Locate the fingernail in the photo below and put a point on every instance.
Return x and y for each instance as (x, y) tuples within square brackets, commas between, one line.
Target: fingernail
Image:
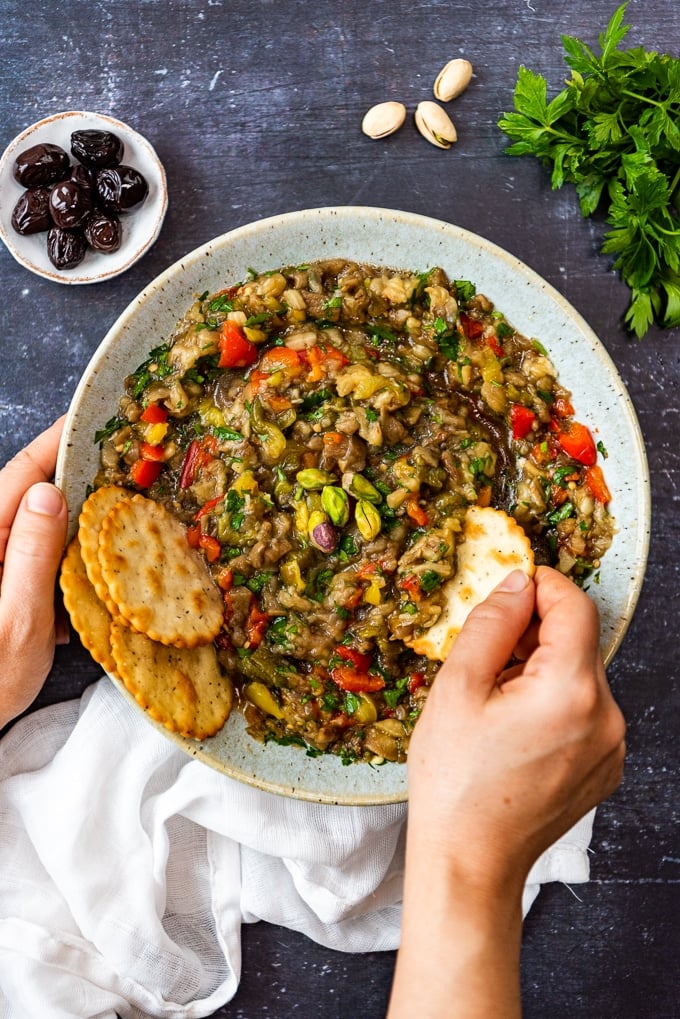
[(514, 582), (45, 499)]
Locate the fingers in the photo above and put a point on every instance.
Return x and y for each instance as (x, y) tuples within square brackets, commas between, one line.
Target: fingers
[(27, 582), (31, 465), (33, 551), (492, 630), (570, 624)]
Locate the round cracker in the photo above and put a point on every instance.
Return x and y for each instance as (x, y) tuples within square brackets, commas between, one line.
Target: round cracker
[(493, 545), (93, 511), (182, 688), (156, 582), (89, 616)]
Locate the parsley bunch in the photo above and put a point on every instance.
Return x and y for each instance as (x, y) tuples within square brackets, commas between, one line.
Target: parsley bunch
[(614, 132)]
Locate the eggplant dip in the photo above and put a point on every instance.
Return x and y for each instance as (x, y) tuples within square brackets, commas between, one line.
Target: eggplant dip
[(321, 431)]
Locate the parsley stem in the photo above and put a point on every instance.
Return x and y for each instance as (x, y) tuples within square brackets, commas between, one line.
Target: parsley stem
[(674, 183), (643, 99)]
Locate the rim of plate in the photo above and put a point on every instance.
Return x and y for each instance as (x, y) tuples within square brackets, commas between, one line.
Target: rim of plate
[(285, 770)]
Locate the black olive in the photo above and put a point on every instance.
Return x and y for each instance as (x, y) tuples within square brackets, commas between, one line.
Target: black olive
[(69, 204), (103, 232), (120, 188), (97, 148), (65, 248), (31, 214), (84, 178), (41, 164)]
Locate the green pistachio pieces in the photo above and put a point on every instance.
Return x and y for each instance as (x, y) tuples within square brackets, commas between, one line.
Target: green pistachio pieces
[(358, 486), (367, 520), (336, 504), (313, 480)]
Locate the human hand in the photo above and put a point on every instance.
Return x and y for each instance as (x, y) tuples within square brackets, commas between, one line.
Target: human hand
[(503, 762), (33, 520)]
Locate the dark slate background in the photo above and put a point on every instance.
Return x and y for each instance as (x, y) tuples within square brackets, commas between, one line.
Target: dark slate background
[(254, 108)]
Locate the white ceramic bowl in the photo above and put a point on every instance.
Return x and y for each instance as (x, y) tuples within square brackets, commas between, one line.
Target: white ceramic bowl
[(399, 240), (141, 225)]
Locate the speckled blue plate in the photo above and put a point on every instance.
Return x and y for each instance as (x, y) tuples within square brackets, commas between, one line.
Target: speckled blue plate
[(400, 240)]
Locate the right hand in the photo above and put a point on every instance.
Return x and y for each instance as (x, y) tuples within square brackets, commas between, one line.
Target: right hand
[(502, 763)]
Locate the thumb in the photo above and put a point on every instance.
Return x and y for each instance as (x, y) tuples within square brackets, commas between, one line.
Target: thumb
[(489, 635), (34, 550)]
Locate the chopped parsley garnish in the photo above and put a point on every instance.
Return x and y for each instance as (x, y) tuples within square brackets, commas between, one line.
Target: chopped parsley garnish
[(429, 580), (111, 426), (565, 511), (157, 366), (227, 435), (291, 740), (394, 695)]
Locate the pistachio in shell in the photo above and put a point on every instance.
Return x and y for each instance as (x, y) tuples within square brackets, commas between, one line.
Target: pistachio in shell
[(435, 125), (452, 80), (383, 119)]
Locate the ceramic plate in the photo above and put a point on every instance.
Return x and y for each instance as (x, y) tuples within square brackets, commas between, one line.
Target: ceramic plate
[(399, 240), (141, 225)]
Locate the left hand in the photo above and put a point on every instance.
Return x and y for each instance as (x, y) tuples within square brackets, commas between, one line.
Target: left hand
[(33, 522)]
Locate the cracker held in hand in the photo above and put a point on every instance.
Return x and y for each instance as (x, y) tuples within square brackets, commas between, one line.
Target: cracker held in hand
[(494, 546), (89, 616), (182, 688), (95, 508), (158, 584)]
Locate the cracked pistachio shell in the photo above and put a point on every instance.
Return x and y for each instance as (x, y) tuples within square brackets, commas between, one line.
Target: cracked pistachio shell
[(452, 80), (435, 125), (383, 119)]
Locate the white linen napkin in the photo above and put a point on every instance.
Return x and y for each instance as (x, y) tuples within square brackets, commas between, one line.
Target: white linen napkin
[(127, 869)]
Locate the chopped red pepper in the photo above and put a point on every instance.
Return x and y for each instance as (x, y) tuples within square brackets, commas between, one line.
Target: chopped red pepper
[(521, 420), (256, 625), (597, 485), (562, 407), (350, 680), (411, 584), (225, 579), (154, 414), (543, 453), (356, 659), (236, 351), (415, 680), (491, 341), (416, 512), (276, 359), (577, 442), (189, 467), (211, 547), (199, 453), (207, 506), (193, 534), (278, 403), (145, 472), (149, 452), (472, 327), (197, 538)]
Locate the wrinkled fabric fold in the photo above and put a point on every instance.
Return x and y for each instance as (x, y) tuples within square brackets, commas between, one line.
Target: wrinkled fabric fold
[(127, 868)]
